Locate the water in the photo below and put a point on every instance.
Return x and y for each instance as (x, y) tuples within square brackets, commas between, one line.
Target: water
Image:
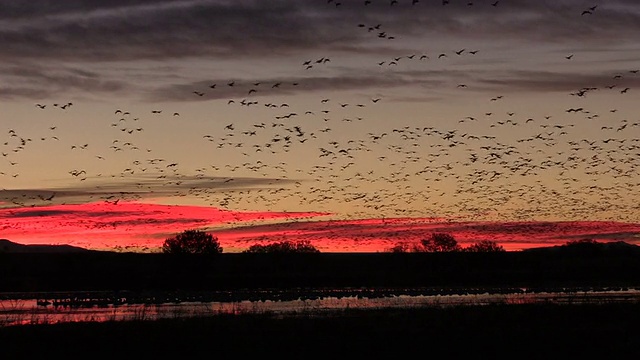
[(23, 311)]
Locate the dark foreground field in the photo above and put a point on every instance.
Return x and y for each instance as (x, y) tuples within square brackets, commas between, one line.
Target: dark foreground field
[(607, 330), (98, 271), (604, 331)]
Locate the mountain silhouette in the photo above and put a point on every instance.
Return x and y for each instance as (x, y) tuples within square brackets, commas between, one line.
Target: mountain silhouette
[(7, 246), (613, 247)]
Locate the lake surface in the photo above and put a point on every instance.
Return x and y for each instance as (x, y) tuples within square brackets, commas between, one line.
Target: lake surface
[(21, 310)]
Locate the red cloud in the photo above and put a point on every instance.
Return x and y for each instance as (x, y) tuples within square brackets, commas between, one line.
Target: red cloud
[(126, 224), (376, 235), (137, 226)]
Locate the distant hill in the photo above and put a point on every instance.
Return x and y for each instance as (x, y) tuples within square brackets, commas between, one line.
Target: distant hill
[(578, 247), (588, 247), (7, 246)]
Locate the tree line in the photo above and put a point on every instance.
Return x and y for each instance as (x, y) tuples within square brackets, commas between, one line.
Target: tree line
[(200, 242)]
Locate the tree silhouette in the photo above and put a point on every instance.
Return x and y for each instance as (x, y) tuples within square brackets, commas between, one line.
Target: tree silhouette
[(583, 246), (303, 246), (582, 242), (438, 242), (442, 242), (485, 246), (192, 242), (399, 248)]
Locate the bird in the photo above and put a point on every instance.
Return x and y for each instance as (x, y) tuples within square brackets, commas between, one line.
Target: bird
[(48, 198)]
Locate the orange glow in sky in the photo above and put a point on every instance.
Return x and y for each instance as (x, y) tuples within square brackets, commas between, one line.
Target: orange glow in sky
[(136, 226), (354, 127), (105, 225)]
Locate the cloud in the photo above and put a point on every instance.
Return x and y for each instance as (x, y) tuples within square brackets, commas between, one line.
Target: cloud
[(37, 82), (184, 92), (376, 235), (107, 225), (121, 31), (549, 81), (137, 225), (133, 188), (118, 31), (52, 47)]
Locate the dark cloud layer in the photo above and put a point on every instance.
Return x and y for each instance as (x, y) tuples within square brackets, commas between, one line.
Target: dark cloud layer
[(555, 81), (185, 92), (37, 36), (118, 30), (134, 189)]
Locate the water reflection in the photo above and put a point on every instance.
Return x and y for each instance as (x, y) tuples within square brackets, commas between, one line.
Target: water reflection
[(37, 311)]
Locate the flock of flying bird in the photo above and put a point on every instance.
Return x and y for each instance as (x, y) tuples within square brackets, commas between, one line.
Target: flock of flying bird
[(550, 170)]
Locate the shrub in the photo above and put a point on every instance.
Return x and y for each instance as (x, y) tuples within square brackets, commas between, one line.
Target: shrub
[(303, 246), (485, 246)]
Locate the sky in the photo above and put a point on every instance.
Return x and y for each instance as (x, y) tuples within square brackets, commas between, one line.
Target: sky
[(355, 125)]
